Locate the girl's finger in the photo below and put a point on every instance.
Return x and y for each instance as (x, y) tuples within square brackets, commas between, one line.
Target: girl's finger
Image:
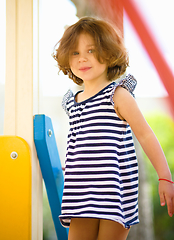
[(162, 199), (170, 206)]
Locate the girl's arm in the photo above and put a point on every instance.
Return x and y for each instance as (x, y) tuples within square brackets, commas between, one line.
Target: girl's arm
[(127, 108)]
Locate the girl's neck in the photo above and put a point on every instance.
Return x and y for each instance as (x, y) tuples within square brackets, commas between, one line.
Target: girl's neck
[(92, 89)]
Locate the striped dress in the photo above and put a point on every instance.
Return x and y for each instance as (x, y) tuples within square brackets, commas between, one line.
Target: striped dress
[(101, 174)]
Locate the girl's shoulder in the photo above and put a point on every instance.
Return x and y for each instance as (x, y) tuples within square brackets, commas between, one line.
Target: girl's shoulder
[(123, 98), (129, 83)]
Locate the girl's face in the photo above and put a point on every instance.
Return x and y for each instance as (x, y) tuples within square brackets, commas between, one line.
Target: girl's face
[(83, 62)]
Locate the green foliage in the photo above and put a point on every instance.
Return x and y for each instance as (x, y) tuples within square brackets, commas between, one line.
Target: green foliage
[(163, 127)]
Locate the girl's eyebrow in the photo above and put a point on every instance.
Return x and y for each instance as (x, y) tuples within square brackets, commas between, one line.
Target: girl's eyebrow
[(90, 45)]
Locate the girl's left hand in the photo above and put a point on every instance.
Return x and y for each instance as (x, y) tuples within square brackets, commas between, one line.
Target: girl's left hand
[(166, 193)]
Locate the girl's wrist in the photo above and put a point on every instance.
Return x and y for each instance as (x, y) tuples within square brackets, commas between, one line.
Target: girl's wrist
[(166, 174), (165, 179)]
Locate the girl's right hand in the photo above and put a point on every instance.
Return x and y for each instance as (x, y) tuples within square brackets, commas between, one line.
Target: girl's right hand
[(166, 193)]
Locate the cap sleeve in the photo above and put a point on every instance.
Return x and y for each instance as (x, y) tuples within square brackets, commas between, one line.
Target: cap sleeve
[(129, 83), (66, 100)]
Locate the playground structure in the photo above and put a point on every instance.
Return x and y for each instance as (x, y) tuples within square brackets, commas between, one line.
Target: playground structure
[(21, 191), (51, 168)]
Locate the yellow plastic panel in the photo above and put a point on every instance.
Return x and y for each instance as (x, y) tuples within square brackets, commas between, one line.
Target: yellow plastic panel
[(15, 189)]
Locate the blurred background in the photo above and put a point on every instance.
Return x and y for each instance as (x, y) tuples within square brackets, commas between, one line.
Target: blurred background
[(152, 98)]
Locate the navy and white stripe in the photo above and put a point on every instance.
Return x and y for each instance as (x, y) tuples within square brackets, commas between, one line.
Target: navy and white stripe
[(101, 175)]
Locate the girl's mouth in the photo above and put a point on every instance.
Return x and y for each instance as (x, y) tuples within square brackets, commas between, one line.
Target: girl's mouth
[(84, 69)]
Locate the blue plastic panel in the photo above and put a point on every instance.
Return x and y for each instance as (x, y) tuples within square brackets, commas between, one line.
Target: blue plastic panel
[(51, 168)]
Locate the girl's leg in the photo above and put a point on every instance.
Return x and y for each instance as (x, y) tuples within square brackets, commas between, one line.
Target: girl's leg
[(111, 230), (83, 229)]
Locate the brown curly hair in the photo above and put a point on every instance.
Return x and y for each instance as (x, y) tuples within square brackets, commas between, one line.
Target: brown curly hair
[(109, 47)]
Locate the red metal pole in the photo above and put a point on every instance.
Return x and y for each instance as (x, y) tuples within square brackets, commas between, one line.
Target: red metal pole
[(151, 46)]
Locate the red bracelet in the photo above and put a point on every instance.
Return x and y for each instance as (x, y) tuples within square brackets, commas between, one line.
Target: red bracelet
[(165, 180)]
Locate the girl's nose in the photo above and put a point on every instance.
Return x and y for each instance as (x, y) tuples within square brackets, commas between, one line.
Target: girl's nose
[(82, 58)]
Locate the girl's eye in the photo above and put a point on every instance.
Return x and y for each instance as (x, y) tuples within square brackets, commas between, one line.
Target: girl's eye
[(75, 53), (91, 50)]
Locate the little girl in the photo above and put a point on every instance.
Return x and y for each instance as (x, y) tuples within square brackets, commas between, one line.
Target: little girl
[(100, 198)]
